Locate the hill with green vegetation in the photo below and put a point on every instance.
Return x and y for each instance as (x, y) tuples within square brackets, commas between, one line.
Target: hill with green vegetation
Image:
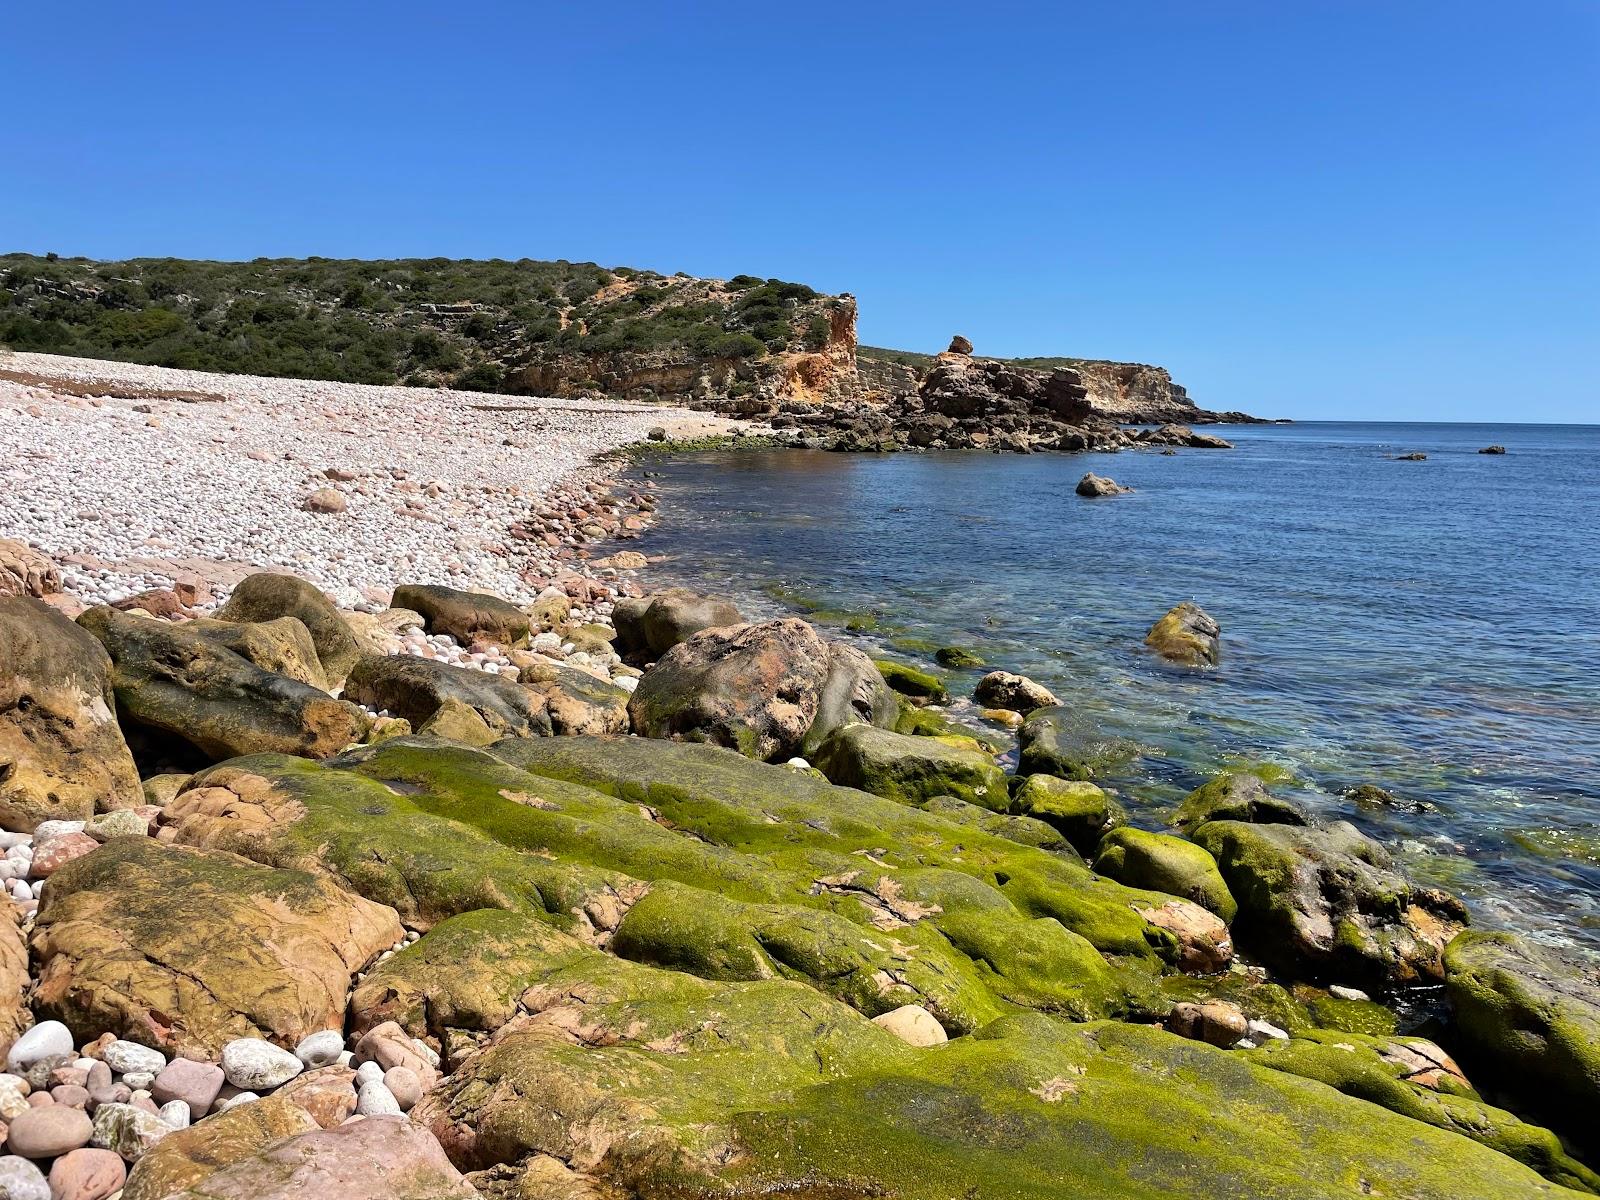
[(522, 326)]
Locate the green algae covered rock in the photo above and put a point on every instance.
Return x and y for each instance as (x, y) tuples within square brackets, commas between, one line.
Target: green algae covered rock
[(911, 770), (1237, 796), (1413, 1077), (957, 657), (1082, 811), (1164, 863), (694, 1088), (1533, 1021), (1327, 904), (1056, 741), (920, 685), (1187, 635)]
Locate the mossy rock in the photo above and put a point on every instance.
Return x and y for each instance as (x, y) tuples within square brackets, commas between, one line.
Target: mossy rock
[(1381, 1070), (268, 596), (1164, 863), (1258, 998), (958, 657), (693, 1088), (1530, 1021), (1237, 796), (922, 686), (930, 722), (1186, 635), (910, 769), (1057, 741), (590, 637), (1083, 812), (1352, 1016)]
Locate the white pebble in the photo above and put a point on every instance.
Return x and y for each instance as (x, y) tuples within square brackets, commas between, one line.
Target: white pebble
[(320, 1049), (257, 1065), (176, 1113), (377, 1100), (130, 1057)]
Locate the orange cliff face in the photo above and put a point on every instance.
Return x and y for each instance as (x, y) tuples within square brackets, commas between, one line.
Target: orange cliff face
[(828, 373)]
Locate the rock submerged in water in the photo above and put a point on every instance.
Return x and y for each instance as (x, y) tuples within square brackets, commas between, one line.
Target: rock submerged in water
[(1187, 635), (1058, 741), (1094, 486), (1496, 449), (1001, 689)]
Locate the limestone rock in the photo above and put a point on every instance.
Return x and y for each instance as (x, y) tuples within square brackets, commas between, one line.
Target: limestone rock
[(326, 500), (466, 616), (1187, 635), (268, 596), (577, 702), (180, 684), (282, 646), (1018, 693), (62, 755), (651, 626), (416, 688), (25, 571), (188, 949), (186, 1158)]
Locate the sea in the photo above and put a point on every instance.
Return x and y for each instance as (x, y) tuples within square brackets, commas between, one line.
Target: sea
[(1431, 627)]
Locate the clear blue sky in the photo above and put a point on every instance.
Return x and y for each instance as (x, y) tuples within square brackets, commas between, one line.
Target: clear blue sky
[(1316, 208)]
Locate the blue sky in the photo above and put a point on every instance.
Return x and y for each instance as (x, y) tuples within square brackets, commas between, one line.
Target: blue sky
[(1360, 208)]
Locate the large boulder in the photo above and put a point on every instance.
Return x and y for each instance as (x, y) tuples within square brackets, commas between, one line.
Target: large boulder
[(1237, 796), (1326, 903), (1056, 741), (466, 616), (852, 692), (186, 1157), (62, 755), (1080, 811), (25, 571), (651, 1082), (187, 949), (1016, 693), (269, 596), (182, 684), (650, 626), (376, 1158), (1532, 1020), (14, 979), (417, 688), (282, 645), (758, 689), (1164, 863), (1187, 635), (578, 702), (912, 770)]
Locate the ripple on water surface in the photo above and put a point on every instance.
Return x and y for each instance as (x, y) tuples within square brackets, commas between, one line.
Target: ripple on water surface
[(1430, 627)]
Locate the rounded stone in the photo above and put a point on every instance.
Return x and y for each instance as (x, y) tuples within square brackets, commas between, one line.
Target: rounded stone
[(87, 1174), (376, 1100), (176, 1114), (321, 1049), (124, 1057), (368, 1072), (404, 1085), (49, 1131), (47, 1039), (235, 1100), (21, 1180), (256, 1065), (124, 822), (913, 1024)]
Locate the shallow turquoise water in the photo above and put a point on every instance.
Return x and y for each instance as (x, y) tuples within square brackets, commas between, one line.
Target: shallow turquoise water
[(1431, 627)]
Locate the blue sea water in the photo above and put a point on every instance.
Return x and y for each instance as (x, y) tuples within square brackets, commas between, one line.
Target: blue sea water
[(1431, 627)]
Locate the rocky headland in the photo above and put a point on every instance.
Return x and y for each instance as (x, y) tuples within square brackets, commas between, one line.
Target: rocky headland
[(366, 876)]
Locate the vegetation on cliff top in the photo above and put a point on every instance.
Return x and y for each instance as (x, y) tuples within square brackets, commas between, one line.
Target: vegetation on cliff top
[(465, 323)]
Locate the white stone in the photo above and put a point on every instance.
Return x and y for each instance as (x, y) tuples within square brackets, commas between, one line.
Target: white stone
[(376, 1100), (256, 1065), (1347, 993), (1264, 1029), (124, 1057), (21, 1180), (176, 1114), (48, 830), (320, 1049), (48, 1039), (798, 763), (368, 1072), (235, 1101), (139, 1081)]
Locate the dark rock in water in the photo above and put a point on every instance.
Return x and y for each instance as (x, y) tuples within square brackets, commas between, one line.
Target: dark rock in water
[(416, 689), (758, 689), (1495, 449), (956, 657), (649, 626), (1414, 456), (1237, 796), (921, 686), (181, 684), (1018, 693), (269, 596), (1532, 1020), (62, 756), (1187, 635), (466, 616), (1326, 903), (1054, 741), (1181, 435), (1093, 485), (910, 769), (959, 345), (1370, 795)]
